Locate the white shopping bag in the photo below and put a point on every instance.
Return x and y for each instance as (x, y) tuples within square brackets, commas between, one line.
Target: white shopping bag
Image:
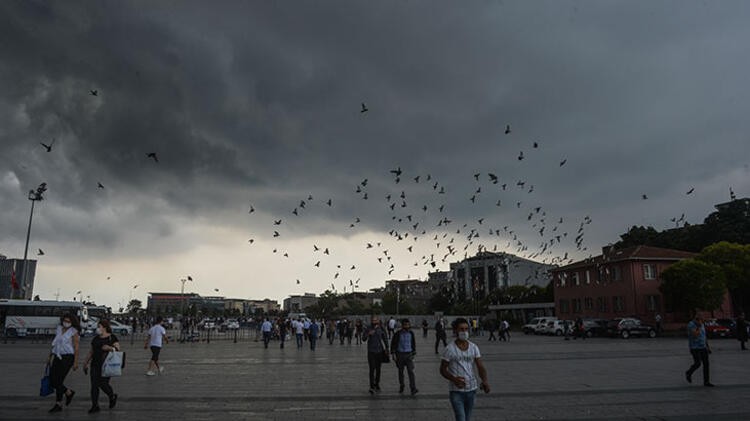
[(112, 366)]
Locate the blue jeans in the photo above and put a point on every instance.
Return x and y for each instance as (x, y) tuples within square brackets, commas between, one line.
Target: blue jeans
[(299, 340), (462, 403)]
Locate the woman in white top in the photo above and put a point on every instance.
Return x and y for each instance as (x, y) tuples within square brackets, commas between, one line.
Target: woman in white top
[(64, 356), (457, 365)]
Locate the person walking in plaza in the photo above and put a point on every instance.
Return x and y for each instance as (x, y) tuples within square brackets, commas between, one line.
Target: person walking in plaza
[(282, 328), (314, 331), (391, 327), (506, 327), (404, 349), (457, 366), (657, 319), (440, 333), (331, 331), (377, 350), (267, 330), (580, 330), (64, 357), (358, 331), (425, 326), (742, 331), (699, 349), (103, 343), (157, 337), (343, 327), (299, 331), (491, 325)]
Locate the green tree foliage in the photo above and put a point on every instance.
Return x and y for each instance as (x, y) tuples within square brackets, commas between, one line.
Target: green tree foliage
[(693, 284), (730, 223), (134, 306), (734, 261), (327, 305)]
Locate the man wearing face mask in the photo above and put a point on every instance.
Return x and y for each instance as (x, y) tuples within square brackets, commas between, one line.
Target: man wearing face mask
[(377, 348), (457, 366)]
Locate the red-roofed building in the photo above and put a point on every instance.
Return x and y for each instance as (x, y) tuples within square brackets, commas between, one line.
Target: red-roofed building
[(619, 283)]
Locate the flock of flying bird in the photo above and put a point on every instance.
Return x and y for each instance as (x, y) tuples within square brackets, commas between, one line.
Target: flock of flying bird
[(441, 237)]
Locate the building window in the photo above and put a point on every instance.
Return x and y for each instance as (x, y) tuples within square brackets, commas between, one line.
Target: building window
[(618, 304), (576, 305), (588, 277), (564, 306), (601, 303), (653, 303), (588, 303), (576, 279), (616, 273), (649, 272)]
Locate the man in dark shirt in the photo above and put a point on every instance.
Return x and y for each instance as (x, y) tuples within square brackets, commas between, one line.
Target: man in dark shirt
[(377, 349), (403, 349), (440, 334)]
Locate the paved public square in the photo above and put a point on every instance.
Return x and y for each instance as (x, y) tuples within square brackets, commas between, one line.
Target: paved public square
[(532, 377)]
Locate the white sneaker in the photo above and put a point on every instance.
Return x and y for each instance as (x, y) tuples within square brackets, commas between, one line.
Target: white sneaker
[(161, 369), (150, 373)]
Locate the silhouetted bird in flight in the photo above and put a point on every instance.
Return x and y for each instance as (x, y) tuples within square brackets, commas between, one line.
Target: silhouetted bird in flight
[(692, 189), (563, 162), (277, 222), (328, 202), (99, 185), (275, 233), (732, 196), (507, 129), (40, 252), (252, 209), (153, 156), (297, 281), (94, 92), (397, 172), (190, 278), (317, 264), (48, 147), (644, 197), (536, 145), (364, 108)]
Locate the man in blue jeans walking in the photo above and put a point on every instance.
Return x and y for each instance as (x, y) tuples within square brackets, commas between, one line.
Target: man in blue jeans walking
[(457, 366), (699, 349)]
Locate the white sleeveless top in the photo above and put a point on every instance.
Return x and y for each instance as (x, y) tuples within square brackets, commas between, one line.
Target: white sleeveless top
[(63, 342)]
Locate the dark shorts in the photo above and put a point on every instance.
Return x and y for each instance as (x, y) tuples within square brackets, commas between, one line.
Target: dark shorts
[(155, 350)]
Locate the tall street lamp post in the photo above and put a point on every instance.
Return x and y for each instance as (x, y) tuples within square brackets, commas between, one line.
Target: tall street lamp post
[(34, 196)]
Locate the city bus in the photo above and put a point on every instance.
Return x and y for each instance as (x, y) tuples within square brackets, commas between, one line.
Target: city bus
[(22, 318)]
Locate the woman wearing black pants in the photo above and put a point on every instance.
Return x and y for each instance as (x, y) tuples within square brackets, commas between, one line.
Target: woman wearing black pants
[(101, 345), (64, 357)]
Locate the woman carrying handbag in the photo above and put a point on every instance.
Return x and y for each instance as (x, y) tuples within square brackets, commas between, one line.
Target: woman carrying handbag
[(64, 357), (101, 345)]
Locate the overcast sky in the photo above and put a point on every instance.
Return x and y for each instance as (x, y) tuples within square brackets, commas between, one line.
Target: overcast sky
[(258, 104)]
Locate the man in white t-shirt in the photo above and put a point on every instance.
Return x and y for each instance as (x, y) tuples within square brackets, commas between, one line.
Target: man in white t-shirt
[(457, 366), (299, 332), (157, 337), (266, 329)]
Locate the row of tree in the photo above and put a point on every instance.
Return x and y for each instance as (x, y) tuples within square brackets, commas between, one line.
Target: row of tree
[(702, 282)]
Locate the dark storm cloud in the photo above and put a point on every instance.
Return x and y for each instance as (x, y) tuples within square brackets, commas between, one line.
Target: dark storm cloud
[(258, 102)]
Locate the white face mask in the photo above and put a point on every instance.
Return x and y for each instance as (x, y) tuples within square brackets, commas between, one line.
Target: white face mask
[(98, 331), (67, 325), (464, 336)]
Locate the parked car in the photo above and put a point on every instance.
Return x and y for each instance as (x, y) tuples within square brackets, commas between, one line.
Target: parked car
[(207, 324), (730, 324), (541, 327), (229, 324), (595, 327), (120, 329), (716, 330), (530, 327), (628, 327), (557, 327)]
